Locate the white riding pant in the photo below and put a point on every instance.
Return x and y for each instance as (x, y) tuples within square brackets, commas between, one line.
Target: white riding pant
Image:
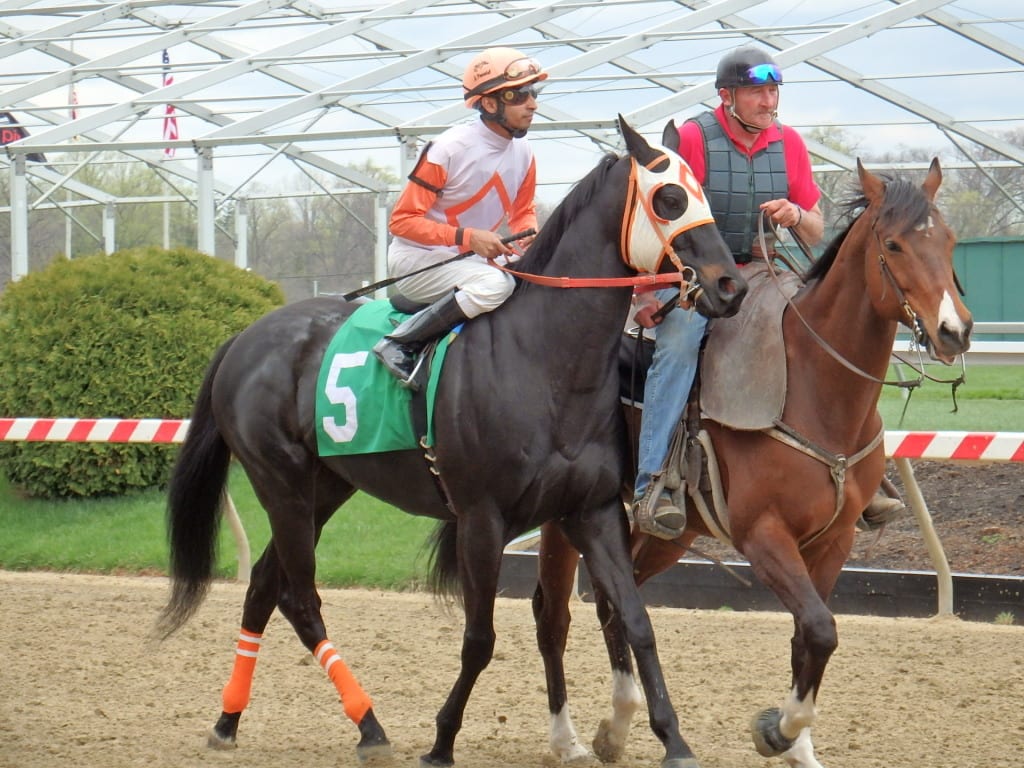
[(481, 287)]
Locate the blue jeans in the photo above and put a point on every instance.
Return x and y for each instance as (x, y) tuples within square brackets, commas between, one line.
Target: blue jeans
[(677, 346)]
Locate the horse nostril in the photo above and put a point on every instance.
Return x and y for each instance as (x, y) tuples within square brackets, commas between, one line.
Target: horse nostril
[(731, 289), (956, 336)]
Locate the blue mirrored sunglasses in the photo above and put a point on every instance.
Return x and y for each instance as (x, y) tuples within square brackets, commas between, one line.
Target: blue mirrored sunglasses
[(761, 74), (516, 96)]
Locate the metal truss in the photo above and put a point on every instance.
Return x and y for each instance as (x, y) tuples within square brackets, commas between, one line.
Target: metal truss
[(261, 87)]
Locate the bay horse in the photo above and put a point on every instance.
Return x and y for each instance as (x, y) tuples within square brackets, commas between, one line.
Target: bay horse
[(526, 432), (793, 494)]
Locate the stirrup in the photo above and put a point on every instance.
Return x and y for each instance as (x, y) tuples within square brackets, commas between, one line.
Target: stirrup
[(399, 360), (654, 509)]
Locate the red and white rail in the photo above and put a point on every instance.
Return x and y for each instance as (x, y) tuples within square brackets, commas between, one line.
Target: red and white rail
[(94, 430), (955, 446), (902, 447)]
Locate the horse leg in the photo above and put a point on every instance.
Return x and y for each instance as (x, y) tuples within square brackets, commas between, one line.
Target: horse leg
[(557, 563), (300, 603), (602, 538), (824, 571), (651, 557), (285, 577), (260, 599), (777, 562), (267, 589), (478, 549)]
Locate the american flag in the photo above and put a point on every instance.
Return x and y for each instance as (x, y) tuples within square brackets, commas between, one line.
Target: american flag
[(170, 121)]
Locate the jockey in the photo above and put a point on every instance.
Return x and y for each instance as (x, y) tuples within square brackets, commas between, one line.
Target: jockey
[(467, 182)]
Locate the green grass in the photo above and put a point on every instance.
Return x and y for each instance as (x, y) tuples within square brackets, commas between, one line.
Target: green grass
[(367, 543), (991, 399)]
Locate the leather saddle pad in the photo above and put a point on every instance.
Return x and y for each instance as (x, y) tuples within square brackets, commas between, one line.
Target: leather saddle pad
[(743, 373)]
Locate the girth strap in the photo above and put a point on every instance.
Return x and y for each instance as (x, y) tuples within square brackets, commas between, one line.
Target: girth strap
[(837, 463), (418, 413)]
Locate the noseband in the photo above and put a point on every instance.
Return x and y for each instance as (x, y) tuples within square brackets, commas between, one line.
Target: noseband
[(913, 321)]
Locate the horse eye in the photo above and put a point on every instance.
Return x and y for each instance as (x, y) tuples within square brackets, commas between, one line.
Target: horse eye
[(670, 202), (893, 247)]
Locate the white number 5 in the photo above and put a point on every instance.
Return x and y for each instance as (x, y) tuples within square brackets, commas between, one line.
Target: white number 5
[(336, 395)]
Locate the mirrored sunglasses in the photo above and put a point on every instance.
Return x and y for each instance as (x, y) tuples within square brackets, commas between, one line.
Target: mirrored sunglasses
[(762, 74), (514, 97), (522, 68)]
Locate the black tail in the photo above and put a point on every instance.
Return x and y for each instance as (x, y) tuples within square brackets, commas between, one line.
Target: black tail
[(443, 573), (194, 499)]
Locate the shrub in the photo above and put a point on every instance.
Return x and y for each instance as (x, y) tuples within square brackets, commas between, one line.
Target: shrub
[(125, 335)]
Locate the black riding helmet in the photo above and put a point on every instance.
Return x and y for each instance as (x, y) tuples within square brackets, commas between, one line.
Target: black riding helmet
[(747, 65)]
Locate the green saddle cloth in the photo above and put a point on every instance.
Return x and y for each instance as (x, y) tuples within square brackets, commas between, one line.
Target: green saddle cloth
[(360, 405)]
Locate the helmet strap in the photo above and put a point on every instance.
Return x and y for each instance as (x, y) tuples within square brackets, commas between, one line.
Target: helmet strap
[(498, 118), (748, 127)]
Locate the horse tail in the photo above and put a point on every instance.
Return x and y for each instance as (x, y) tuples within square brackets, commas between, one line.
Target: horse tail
[(443, 571), (194, 498)]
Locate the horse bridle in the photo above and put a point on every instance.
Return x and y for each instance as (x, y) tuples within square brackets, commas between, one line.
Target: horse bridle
[(685, 276), (919, 335)]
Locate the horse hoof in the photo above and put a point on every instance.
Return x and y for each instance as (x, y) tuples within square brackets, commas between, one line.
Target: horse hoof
[(429, 761), (768, 739), (216, 741), (371, 752), (607, 747), (373, 742), (680, 762), (224, 732)]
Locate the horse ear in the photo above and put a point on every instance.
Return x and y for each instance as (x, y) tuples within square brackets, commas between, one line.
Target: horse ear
[(636, 144), (932, 180), (874, 187), (670, 136)]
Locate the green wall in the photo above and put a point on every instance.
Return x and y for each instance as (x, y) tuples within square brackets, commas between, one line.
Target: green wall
[(991, 270)]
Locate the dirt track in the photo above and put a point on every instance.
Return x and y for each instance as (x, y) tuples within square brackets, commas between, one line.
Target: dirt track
[(82, 685)]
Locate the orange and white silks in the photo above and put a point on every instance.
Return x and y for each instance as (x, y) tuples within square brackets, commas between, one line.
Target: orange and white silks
[(647, 237), (354, 699), (484, 180), (239, 686)]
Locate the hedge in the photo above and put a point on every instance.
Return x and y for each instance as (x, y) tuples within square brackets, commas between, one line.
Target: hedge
[(124, 335)]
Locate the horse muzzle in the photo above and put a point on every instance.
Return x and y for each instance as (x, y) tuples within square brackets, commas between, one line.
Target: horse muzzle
[(721, 291), (949, 339)]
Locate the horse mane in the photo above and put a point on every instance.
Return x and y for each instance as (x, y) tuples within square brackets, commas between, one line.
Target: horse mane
[(904, 206), (580, 196)]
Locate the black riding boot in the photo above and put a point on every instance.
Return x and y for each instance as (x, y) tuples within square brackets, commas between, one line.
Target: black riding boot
[(398, 351)]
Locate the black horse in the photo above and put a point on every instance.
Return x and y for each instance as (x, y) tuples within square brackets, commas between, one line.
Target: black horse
[(527, 425)]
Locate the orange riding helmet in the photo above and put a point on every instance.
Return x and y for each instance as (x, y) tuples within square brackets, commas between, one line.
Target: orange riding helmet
[(497, 68)]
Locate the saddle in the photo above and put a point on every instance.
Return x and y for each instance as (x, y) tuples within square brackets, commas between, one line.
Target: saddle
[(740, 383)]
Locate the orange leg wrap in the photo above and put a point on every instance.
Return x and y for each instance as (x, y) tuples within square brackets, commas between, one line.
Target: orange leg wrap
[(353, 697), (239, 687)]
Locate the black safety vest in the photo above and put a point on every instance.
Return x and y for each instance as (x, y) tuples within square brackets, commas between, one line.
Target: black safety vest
[(736, 184)]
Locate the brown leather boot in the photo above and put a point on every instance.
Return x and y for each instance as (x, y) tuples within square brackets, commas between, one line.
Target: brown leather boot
[(885, 507)]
